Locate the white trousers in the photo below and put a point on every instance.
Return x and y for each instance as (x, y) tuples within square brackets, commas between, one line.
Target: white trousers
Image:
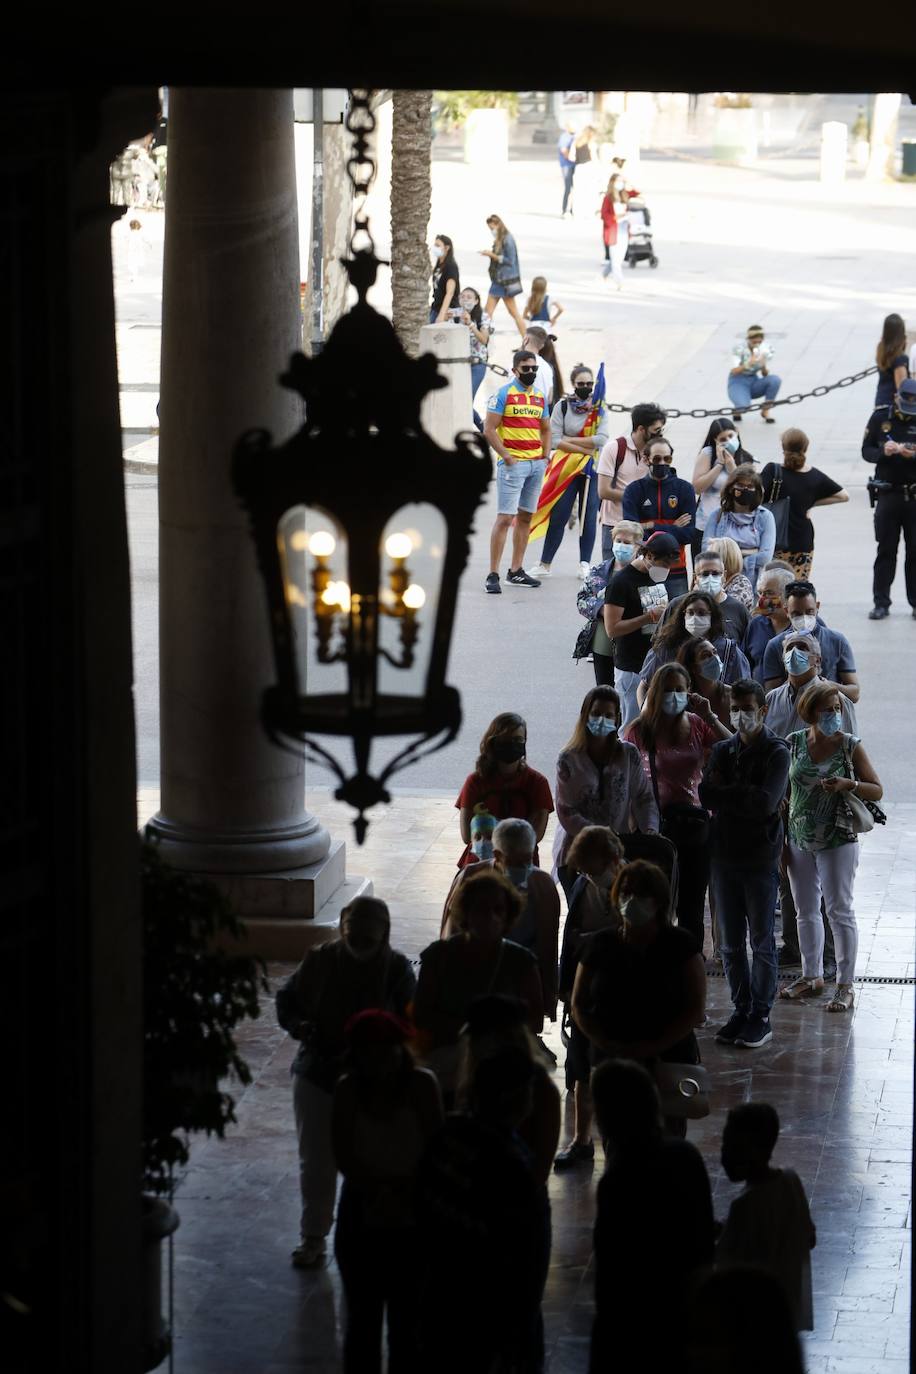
[(833, 873), (317, 1166)]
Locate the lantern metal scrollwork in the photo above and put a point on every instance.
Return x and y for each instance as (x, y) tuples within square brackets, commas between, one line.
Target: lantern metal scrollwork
[(361, 524)]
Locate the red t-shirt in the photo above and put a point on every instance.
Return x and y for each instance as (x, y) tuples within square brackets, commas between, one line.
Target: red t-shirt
[(679, 766), (516, 795)]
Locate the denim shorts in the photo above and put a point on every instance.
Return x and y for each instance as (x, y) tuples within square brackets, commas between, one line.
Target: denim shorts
[(518, 485), (500, 292)]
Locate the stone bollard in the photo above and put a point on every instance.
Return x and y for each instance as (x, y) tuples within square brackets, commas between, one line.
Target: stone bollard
[(448, 410), (833, 152)]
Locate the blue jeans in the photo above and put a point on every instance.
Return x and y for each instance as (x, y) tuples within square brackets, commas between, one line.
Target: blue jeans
[(746, 905), (518, 485), (561, 512), (625, 685), (478, 372), (746, 388), (567, 171)]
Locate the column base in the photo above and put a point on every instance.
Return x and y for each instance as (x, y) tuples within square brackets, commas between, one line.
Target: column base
[(286, 848), (286, 939)]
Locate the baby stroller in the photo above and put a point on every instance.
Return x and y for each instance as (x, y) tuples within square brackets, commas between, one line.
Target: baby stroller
[(640, 246)]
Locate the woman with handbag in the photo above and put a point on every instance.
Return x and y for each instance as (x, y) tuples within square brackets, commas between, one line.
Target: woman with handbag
[(505, 273), (792, 490), (334, 982), (833, 794), (721, 453), (674, 733), (743, 517), (640, 989)]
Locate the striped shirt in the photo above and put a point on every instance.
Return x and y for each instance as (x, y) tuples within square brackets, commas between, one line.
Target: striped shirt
[(523, 412)]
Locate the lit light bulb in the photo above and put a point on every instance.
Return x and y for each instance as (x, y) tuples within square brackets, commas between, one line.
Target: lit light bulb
[(294, 596), (299, 541), (343, 595), (329, 596), (398, 546), (414, 597), (322, 544), (387, 597)]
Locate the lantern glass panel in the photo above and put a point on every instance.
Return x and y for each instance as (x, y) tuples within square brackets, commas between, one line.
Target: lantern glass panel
[(411, 557), (313, 557)]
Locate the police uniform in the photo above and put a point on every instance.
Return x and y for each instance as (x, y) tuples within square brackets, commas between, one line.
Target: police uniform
[(895, 506)]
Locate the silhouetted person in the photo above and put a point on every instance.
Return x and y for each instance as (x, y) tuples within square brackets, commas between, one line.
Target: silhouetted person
[(769, 1225), (740, 1320), (654, 1227), (482, 1233), (385, 1110)]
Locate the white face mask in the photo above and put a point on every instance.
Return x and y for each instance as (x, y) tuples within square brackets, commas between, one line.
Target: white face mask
[(637, 911), (674, 703), (466, 304), (697, 625), (746, 722), (710, 582), (658, 572), (803, 624)]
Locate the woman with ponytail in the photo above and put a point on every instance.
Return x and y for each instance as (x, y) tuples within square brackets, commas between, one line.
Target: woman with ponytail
[(804, 487)]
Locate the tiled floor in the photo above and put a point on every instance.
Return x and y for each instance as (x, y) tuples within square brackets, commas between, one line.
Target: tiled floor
[(842, 1086)]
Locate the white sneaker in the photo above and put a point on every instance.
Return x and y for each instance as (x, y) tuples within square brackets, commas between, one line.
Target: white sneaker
[(583, 571), (539, 570)]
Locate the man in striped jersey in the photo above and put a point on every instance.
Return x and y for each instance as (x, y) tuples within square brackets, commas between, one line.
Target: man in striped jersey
[(517, 428)]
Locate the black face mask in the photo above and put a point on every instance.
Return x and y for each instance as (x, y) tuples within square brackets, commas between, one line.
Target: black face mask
[(527, 378), (660, 471), (583, 392), (508, 750), (748, 499)]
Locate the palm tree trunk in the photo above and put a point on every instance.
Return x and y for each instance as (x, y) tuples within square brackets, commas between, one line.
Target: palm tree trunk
[(411, 192)]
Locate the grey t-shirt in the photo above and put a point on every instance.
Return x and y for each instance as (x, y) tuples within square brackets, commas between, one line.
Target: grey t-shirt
[(782, 714)]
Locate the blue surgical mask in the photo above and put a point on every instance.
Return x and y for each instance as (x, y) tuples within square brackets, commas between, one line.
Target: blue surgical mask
[(482, 848), (674, 703), (518, 873), (601, 725), (732, 444), (830, 722), (710, 582), (711, 668), (797, 661), (623, 553)]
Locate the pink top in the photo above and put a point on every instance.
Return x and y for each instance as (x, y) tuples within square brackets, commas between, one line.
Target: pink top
[(679, 766), (631, 468)]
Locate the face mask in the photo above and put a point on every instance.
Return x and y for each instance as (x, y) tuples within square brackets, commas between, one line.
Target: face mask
[(797, 661), (732, 445), (623, 553), (658, 572), (711, 668), (830, 722), (747, 498), (583, 392), (601, 725), (437, 254), (659, 471), (482, 848), (674, 703), (518, 873), (697, 625), (637, 911), (467, 305), (508, 750), (747, 722), (527, 378), (803, 624), (710, 582)]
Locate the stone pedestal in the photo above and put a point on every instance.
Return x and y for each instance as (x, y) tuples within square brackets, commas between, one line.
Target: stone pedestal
[(232, 803), (448, 410)]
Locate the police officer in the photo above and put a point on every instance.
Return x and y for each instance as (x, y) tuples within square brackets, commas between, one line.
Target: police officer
[(890, 442)]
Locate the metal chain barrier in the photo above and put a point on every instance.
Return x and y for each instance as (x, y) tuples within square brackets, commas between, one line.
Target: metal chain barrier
[(673, 413)]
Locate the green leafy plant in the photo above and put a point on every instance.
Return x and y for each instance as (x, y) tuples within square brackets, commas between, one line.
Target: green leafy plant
[(453, 107), (194, 995)]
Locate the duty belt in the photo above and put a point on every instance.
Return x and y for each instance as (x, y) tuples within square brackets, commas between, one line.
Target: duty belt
[(906, 489)]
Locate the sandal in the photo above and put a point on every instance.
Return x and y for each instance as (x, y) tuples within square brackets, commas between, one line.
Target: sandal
[(802, 988), (842, 999)]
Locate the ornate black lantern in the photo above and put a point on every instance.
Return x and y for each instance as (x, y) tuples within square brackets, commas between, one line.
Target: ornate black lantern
[(362, 524)]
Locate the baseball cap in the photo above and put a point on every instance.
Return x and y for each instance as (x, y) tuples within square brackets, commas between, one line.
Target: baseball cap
[(906, 396), (661, 545)]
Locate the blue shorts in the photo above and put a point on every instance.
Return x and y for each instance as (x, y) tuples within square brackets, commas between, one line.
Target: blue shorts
[(518, 485), (501, 292)]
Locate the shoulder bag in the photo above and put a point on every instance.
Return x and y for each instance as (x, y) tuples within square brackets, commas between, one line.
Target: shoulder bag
[(683, 1090), (864, 815), (778, 506)]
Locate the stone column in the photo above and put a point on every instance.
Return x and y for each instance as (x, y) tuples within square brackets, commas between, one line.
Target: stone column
[(232, 803), (446, 411)]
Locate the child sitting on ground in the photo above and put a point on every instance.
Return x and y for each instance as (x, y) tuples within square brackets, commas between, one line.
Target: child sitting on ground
[(769, 1226)]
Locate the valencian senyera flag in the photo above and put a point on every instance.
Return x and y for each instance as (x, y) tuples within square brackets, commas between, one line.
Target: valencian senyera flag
[(565, 466)]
